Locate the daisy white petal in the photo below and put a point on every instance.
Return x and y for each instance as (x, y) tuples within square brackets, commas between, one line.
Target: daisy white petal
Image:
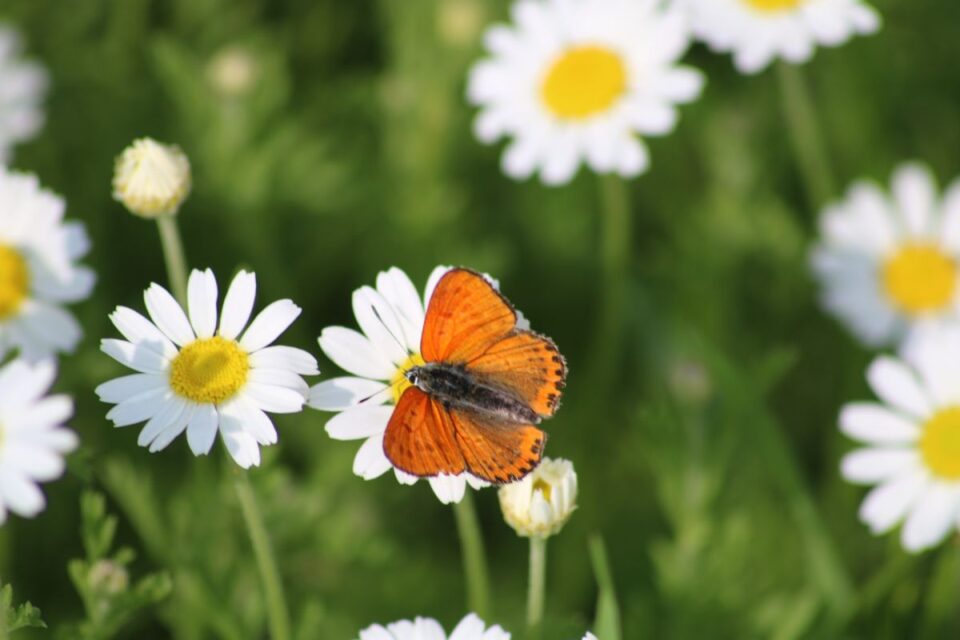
[(269, 324), (354, 353), (370, 461), (872, 423), (139, 330), (870, 466), (339, 394), (167, 315), (202, 302), (118, 389), (32, 438), (361, 422), (167, 414), (898, 386), (238, 304), (290, 358), (931, 518), (242, 445)]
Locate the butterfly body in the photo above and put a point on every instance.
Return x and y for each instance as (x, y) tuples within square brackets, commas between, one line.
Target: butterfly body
[(458, 389), (486, 382)]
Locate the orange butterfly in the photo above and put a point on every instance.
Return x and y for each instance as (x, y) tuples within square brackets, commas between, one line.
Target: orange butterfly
[(485, 383)]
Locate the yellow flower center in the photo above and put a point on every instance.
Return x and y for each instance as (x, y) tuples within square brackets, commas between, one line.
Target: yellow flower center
[(14, 281), (940, 444), (584, 81), (399, 382), (774, 5), (920, 278), (210, 370), (540, 485)]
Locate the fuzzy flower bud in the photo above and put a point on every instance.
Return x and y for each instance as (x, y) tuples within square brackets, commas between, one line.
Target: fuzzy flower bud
[(151, 179), (541, 503)]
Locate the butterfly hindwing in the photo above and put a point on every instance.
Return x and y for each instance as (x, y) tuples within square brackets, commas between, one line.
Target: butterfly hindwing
[(496, 452), (420, 437), (465, 316), (529, 365)]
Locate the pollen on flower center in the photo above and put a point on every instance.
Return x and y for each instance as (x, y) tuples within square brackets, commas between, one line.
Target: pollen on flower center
[(399, 382), (920, 278), (940, 444), (210, 370), (584, 81), (14, 281), (774, 5)]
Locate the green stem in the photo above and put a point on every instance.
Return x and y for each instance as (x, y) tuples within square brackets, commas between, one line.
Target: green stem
[(538, 577), (615, 236), (474, 557), (277, 615), (805, 135), (174, 256)]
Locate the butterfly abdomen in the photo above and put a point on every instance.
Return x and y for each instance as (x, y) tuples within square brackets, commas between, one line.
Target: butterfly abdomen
[(457, 388)]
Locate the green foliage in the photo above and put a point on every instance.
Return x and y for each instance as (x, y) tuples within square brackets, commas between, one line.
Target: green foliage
[(102, 579), (13, 618)]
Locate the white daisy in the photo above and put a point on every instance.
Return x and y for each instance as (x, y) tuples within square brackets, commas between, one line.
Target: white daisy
[(391, 318), (890, 265), (912, 439), (32, 438), (24, 88), (759, 31), (470, 628), (578, 81), (38, 270), (203, 377)]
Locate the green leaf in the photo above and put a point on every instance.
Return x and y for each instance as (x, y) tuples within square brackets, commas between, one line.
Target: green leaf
[(607, 624), (20, 617)]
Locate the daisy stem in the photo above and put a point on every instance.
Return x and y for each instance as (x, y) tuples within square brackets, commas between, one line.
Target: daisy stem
[(174, 256), (615, 235), (805, 135), (538, 577), (474, 557), (277, 614)]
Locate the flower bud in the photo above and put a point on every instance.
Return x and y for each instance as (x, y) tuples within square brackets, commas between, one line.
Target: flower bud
[(233, 71), (108, 577), (541, 503), (151, 179)]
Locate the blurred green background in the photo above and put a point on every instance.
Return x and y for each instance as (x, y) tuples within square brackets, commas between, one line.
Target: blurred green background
[(704, 433)]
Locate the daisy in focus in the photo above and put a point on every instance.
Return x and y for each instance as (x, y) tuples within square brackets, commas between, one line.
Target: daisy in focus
[(203, 375), (24, 88), (470, 628), (38, 270), (391, 319), (912, 440), (757, 32), (579, 82), (33, 440), (889, 264)]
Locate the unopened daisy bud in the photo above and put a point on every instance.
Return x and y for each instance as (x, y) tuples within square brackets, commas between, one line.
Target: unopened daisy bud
[(108, 577), (541, 503), (151, 179)]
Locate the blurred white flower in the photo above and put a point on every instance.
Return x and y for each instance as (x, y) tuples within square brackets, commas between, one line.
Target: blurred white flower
[(391, 318), (233, 71), (578, 81), (589, 636), (760, 31), (24, 89), (541, 503), (151, 179), (201, 377), (33, 440), (470, 628), (38, 270), (912, 439), (890, 265)]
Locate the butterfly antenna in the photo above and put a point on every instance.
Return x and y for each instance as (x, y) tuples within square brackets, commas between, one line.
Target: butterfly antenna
[(392, 334), (373, 395)]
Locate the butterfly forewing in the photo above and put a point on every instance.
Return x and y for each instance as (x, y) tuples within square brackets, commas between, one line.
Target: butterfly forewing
[(466, 315), (529, 365), (497, 453), (420, 437)]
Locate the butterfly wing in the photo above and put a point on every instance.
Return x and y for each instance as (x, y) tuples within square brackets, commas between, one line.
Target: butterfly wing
[(465, 316), (420, 437), (528, 364), (497, 452)]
